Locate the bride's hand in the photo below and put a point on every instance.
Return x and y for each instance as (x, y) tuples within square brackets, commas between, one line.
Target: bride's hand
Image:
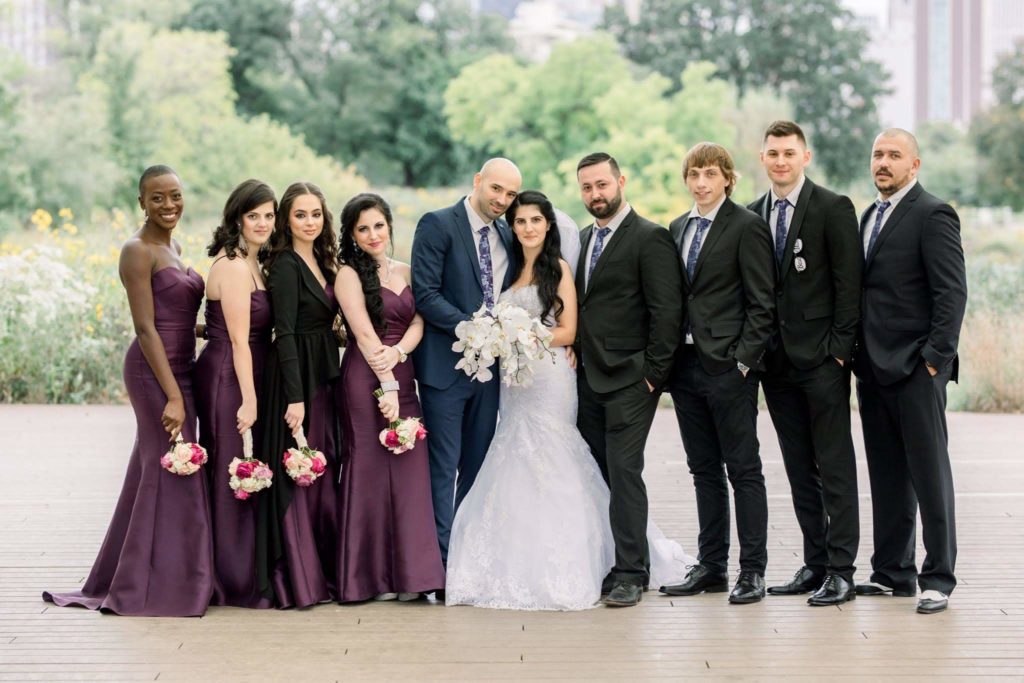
[(384, 359), (570, 356)]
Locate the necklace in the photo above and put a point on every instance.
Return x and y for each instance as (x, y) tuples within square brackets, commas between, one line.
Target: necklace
[(387, 267)]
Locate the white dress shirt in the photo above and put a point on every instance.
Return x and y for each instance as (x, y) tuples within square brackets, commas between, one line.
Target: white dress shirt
[(691, 230), (613, 225), (893, 201), (499, 257), (773, 217)]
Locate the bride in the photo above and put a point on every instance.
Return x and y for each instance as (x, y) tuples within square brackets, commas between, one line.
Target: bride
[(533, 532)]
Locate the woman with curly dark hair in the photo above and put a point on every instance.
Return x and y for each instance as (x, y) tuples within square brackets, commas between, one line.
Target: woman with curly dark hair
[(296, 535), (388, 544), (227, 379)]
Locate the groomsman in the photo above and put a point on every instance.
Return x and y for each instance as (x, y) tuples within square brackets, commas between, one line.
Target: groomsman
[(914, 296), (728, 290), (627, 281), (807, 381)]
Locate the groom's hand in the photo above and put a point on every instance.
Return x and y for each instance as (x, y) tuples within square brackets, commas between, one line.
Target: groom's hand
[(570, 356), (650, 387)]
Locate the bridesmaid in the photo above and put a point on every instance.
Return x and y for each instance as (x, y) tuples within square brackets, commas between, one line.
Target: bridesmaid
[(388, 541), (157, 557), (227, 378), (296, 531)]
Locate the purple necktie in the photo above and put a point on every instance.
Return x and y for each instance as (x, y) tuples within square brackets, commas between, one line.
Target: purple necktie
[(882, 207), (486, 269), (596, 253), (780, 230)]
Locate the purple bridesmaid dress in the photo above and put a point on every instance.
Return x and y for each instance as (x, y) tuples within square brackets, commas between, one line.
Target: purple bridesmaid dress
[(157, 557), (388, 540), (218, 397)]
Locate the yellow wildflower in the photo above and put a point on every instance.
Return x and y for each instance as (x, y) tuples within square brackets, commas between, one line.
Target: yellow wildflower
[(70, 228), (99, 311), (66, 213), (89, 329)]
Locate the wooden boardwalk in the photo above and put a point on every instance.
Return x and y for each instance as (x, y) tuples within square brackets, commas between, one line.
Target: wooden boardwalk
[(62, 468)]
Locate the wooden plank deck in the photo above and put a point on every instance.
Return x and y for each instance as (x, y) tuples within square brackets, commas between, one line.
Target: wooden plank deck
[(62, 467)]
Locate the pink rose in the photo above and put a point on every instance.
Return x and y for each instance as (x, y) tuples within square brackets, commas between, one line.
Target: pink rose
[(392, 440), (317, 465), (421, 433), (263, 472), (304, 480), (241, 495), (244, 469), (165, 461)]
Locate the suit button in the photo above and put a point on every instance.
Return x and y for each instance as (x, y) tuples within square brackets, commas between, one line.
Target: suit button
[(690, 298), (583, 308), (782, 323)]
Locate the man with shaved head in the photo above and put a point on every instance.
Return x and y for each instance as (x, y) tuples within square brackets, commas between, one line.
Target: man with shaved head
[(912, 305), (461, 259)]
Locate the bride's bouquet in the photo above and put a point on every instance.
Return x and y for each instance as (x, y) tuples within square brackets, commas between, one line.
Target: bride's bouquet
[(248, 475), (509, 333), (304, 464), (183, 458), (402, 434)]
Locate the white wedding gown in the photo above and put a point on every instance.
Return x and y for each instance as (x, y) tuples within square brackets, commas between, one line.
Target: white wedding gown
[(533, 532)]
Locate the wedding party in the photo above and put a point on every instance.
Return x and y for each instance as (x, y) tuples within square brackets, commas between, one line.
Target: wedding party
[(511, 339), (481, 440)]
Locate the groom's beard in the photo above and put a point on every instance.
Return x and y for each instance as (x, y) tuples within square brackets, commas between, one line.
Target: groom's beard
[(606, 210)]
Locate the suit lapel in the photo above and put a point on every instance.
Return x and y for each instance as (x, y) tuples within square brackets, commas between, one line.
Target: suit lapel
[(802, 203), (581, 264), (614, 240), (465, 232), (893, 222), (680, 240), (718, 226), (311, 283)]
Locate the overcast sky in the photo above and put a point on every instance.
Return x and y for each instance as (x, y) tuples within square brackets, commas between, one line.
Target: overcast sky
[(878, 8)]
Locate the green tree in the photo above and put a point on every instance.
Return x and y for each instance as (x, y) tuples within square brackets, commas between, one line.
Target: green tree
[(811, 52), (15, 188), (361, 80), (998, 134), (551, 117), (950, 167)]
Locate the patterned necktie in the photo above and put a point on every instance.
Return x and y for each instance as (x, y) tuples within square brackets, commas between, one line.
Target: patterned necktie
[(881, 208), (780, 230), (602, 233), (486, 269), (691, 256)]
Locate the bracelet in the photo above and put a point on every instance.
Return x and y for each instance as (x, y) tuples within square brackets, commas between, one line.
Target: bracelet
[(389, 386)]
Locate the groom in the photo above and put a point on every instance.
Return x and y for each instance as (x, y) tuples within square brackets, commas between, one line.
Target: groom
[(628, 281), (461, 258)]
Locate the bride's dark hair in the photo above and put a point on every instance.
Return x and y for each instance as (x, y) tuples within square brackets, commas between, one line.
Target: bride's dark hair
[(547, 269)]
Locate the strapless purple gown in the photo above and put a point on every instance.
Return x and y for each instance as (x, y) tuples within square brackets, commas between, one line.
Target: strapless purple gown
[(218, 397), (388, 541), (157, 557)]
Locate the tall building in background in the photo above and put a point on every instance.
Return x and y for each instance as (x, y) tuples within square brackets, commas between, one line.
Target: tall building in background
[(940, 55), (23, 28), (538, 25)]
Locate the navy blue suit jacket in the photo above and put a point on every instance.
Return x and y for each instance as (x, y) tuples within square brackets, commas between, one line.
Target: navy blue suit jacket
[(447, 286)]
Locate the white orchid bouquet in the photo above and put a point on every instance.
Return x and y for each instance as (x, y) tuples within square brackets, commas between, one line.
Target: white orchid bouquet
[(508, 333)]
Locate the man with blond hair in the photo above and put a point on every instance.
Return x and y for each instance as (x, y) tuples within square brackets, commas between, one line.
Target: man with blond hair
[(728, 291), (912, 306)]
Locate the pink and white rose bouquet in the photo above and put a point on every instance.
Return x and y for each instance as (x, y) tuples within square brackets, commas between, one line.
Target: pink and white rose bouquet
[(184, 458), (304, 464), (248, 475), (401, 435)]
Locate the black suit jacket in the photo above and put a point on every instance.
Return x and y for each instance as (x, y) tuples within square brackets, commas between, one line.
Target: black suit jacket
[(818, 308), (630, 315), (914, 290), (730, 304)]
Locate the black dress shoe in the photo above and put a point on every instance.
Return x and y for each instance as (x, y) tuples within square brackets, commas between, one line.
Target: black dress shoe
[(835, 591), (804, 581), (624, 595), (873, 589), (749, 588), (609, 583), (700, 579)]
